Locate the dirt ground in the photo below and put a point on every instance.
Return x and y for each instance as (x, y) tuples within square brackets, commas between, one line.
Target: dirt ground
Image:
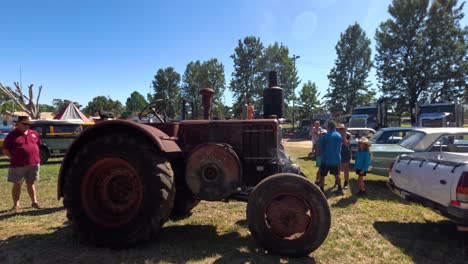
[(297, 142)]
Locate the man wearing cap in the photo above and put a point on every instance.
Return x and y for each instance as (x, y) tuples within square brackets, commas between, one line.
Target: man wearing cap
[(330, 144), (22, 147)]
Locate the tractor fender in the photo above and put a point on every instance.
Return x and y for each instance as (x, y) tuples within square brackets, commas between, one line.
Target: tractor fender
[(159, 139)]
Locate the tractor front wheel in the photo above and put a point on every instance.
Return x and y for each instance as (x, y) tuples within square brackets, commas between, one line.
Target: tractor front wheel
[(288, 215)]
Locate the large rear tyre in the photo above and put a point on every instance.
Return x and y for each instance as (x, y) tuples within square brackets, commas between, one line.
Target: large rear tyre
[(288, 215), (118, 191), (44, 154)]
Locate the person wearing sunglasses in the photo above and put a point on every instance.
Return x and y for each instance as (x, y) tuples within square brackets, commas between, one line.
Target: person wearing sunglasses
[(22, 147)]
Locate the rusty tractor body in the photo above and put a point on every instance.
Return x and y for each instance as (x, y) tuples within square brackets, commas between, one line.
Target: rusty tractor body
[(121, 180)]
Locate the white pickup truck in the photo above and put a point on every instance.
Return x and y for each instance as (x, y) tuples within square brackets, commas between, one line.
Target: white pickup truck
[(438, 180)]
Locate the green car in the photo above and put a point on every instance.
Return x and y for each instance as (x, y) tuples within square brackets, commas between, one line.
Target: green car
[(56, 136), (444, 139)]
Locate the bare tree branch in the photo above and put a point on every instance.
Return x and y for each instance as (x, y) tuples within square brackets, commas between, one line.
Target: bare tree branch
[(20, 92), (10, 94), (26, 103), (38, 95)]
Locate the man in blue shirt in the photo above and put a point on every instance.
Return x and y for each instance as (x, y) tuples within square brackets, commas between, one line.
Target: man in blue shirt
[(330, 144)]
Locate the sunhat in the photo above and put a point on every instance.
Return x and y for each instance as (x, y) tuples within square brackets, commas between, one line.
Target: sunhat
[(23, 119), (340, 126), (364, 140)]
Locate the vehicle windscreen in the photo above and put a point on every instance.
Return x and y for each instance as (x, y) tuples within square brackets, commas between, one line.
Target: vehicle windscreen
[(377, 135), (361, 133), (365, 111), (413, 140), (437, 109)]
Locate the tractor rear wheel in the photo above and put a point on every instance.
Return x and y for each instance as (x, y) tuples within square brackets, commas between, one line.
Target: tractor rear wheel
[(288, 215), (44, 154), (118, 191)]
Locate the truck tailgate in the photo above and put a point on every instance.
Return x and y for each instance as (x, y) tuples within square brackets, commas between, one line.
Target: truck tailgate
[(433, 176)]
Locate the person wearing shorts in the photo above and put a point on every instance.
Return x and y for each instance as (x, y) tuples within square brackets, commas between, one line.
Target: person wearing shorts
[(22, 147), (361, 172), (330, 145), (362, 163), (345, 153), (318, 158)]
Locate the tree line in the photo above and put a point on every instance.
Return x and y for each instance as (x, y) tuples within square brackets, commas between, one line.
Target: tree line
[(421, 56)]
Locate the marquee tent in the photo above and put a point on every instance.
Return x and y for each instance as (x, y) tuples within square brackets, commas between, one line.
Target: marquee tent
[(72, 112)]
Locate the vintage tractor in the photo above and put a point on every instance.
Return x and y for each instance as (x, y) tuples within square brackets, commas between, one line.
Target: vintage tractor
[(121, 180)]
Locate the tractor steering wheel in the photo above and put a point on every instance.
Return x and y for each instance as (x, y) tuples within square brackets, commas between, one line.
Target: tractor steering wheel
[(156, 108)]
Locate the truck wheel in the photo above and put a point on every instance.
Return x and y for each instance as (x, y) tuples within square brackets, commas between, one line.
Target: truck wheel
[(288, 215), (44, 154), (118, 191)]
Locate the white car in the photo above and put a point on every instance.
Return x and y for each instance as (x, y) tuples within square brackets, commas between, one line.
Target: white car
[(425, 139), (356, 134), (438, 180)]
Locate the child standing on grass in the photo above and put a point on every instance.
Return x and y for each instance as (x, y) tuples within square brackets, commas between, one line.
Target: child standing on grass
[(362, 163), (318, 159)]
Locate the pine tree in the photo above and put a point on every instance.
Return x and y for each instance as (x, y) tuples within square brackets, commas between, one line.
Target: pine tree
[(308, 101), (209, 74), (403, 68), (348, 78), (246, 82), (276, 58), (166, 87), (447, 51)]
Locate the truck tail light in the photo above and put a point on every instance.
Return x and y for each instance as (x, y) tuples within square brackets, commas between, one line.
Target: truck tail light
[(462, 188), (390, 169)]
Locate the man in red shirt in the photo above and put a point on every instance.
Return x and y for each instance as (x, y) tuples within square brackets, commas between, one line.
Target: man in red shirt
[(22, 147)]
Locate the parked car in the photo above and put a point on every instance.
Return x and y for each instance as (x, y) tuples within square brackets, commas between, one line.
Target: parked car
[(4, 130), (447, 139), (390, 135), (303, 130), (356, 134), (57, 136), (438, 180)]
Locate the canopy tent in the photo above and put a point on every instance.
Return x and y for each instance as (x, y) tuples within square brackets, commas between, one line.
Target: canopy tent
[(72, 112)]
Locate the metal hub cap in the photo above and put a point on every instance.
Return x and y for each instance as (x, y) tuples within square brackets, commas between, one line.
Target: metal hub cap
[(112, 192), (288, 216)]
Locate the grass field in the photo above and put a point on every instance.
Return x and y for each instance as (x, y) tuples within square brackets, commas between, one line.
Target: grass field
[(376, 229)]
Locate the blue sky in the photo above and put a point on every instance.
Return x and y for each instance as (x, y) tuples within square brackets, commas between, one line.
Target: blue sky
[(78, 50)]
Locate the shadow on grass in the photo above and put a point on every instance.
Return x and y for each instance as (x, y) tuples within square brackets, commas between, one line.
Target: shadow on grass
[(430, 242), (307, 158), (174, 244), (51, 162), (376, 190), (242, 222), (297, 139), (30, 212)]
